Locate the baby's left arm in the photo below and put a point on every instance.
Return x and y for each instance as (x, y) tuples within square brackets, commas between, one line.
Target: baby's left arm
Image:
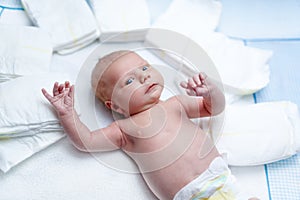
[(212, 101)]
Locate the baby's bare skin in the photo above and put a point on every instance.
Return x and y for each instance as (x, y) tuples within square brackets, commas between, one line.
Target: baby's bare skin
[(169, 149), (166, 174)]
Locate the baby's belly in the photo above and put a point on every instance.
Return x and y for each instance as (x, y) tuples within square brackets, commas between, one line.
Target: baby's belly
[(167, 170), (166, 182)]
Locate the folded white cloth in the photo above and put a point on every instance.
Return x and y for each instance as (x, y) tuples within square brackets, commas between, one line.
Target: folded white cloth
[(242, 69), (24, 110), (29, 129), (15, 150), (24, 50), (116, 17), (70, 23), (187, 15), (259, 133)]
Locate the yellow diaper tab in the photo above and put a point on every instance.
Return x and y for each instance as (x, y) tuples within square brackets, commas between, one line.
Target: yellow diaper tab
[(221, 195), (214, 190)]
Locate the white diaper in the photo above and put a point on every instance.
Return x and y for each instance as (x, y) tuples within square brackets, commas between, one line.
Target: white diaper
[(213, 184)]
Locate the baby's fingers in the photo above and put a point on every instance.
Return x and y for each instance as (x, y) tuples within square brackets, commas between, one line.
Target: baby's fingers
[(191, 83), (47, 95), (61, 88), (67, 84), (55, 89), (203, 76), (184, 84), (71, 92), (196, 79)]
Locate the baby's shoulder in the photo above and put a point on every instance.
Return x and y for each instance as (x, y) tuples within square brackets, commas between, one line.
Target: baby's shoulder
[(175, 101)]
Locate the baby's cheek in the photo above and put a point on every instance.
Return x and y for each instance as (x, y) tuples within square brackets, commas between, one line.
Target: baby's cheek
[(136, 96)]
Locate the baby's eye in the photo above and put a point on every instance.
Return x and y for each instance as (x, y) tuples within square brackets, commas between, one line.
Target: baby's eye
[(129, 81), (145, 68)]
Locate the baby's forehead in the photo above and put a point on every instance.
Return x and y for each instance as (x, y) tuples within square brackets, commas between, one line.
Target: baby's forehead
[(131, 58), (126, 63)]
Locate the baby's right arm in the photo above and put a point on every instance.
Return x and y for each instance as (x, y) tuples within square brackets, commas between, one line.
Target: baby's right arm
[(105, 139)]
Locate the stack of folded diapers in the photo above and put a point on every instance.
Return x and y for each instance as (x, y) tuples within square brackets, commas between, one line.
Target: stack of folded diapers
[(29, 124), (74, 24), (38, 30)]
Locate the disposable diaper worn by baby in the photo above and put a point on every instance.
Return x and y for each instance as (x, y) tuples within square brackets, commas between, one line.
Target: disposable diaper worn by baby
[(215, 183)]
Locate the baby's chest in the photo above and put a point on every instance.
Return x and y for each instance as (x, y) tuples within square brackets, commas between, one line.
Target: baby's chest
[(152, 123), (160, 131)]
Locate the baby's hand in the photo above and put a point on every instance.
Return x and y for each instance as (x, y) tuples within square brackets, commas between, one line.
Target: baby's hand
[(62, 99), (198, 85)]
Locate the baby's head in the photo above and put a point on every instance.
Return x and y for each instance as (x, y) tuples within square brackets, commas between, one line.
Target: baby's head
[(100, 84), (126, 83)]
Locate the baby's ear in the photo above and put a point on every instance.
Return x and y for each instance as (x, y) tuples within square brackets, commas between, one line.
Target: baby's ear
[(108, 104)]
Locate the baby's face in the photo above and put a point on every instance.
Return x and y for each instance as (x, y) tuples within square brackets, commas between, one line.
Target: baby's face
[(136, 85)]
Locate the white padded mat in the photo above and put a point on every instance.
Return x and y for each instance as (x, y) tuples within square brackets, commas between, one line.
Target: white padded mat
[(62, 172)]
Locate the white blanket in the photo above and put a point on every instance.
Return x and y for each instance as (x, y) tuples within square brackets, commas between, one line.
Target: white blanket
[(127, 18), (243, 69), (23, 51), (70, 23), (13, 151), (55, 167)]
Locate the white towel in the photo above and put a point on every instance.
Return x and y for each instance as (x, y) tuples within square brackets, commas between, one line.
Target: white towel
[(13, 151), (70, 23), (243, 69), (24, 110), (23, 51), (115, 17), (259, 133)]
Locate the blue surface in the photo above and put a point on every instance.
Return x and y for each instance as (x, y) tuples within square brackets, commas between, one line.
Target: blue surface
[(11, 4), (260, 18), (284, 179), (283, 176)]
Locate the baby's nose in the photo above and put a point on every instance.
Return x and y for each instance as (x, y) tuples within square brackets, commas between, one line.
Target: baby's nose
[(144, 76)]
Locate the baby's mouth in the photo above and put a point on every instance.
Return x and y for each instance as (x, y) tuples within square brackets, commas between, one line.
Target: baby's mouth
[(151, 87)]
